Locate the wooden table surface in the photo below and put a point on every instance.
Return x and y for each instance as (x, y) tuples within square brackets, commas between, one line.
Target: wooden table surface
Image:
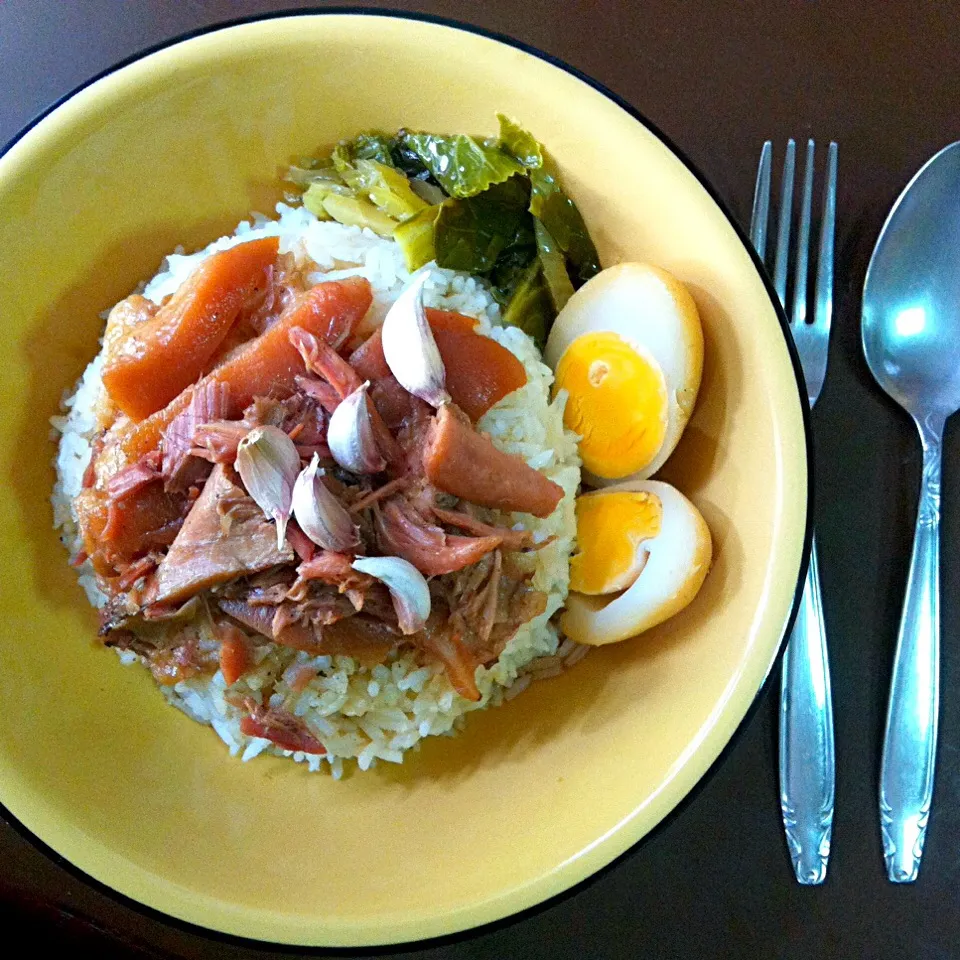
[(718, 78)]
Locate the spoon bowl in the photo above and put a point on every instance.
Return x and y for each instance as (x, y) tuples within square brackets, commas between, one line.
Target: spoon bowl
[(911, 297), (911, 341)]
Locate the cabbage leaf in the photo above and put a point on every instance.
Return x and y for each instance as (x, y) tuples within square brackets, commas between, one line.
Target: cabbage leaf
[(463, 166), (530, 307), (548, 202), (417, 238), (355, 212), (386, 188), (554, 266), (473, 232)]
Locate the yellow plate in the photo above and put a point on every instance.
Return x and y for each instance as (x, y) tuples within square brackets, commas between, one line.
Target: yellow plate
[(174, 149)]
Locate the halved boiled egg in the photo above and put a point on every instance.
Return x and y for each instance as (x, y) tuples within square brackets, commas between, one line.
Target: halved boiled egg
[(643, 551), (628, 349)]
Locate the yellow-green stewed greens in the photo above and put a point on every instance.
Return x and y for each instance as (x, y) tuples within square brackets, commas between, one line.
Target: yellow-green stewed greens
[(492, 207)]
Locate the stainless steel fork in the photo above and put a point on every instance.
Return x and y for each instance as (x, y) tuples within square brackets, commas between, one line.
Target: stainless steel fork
[(806, 710)]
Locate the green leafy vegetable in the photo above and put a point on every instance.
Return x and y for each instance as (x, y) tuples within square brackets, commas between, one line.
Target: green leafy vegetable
[(564, 221), (303, 176), (548, 202), (473, 232), (490, 207), (520, 144), (373, 146), (318, 191), (530, 308), (508, 271), (342, 158), (365, 179), (555, 274), (387, 188), (358, 213), (461, 165), (405, 159), (428, 191), (417, 237)]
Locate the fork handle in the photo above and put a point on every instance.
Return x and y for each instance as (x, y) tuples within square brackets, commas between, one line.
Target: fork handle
[(910, 740), (806, 737)]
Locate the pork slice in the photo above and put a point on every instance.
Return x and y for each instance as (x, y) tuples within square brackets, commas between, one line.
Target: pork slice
[(224, 536)]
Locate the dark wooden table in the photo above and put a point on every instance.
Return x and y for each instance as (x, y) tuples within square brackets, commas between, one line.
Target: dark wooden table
[(719, 78)]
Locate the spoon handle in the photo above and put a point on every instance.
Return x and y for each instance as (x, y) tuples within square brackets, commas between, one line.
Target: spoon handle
[(910, 740)]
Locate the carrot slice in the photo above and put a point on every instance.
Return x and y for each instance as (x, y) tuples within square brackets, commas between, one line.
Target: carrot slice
[(270, 364), (158, 359), (480, 372), (460, 461), (235, 656)]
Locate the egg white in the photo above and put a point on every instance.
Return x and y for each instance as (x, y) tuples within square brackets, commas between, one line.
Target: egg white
[(654, 313), (677, 561)]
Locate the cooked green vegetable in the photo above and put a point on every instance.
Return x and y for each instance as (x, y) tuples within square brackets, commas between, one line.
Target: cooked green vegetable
[(358, 213), (313, 200), (473, 232), (305, 175), (416, 238), (555, 274), (520, 144), (508, 270), (461, 165), (406, 160), (490, 207), (387, 188), (428, 191), (530, 307), (564, 221), (548, 203), (373, 146)]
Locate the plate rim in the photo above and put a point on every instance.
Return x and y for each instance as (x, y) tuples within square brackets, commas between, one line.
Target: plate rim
[(453, 928)]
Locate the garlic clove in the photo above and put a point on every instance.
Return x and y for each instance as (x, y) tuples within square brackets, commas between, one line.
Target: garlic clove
[(409, 346), (321, 516), (351, 437), (268, 464), (407, 586)]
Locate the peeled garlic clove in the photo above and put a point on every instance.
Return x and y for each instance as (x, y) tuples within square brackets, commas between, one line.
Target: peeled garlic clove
[(350, 435), (410, 349), (408, 589), (268, 464), (321, 516)]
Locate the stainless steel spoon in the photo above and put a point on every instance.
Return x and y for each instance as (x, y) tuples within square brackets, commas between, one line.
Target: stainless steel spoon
[(911, 339)]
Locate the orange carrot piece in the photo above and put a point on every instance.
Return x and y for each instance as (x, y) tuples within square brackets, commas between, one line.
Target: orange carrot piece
[(158, 359), (270, 364), (479, 371), (235, 658), (465, 463), (368, 359)]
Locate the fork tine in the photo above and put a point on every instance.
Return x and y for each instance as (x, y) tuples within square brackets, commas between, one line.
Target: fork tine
[(783, 226), (823, 307), (799, 313), (761, 202)]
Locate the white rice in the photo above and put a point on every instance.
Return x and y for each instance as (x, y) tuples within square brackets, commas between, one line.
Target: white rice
[(359, 713)]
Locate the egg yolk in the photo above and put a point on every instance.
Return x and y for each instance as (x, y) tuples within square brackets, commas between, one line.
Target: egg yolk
[(610, 529), (617, 403)]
